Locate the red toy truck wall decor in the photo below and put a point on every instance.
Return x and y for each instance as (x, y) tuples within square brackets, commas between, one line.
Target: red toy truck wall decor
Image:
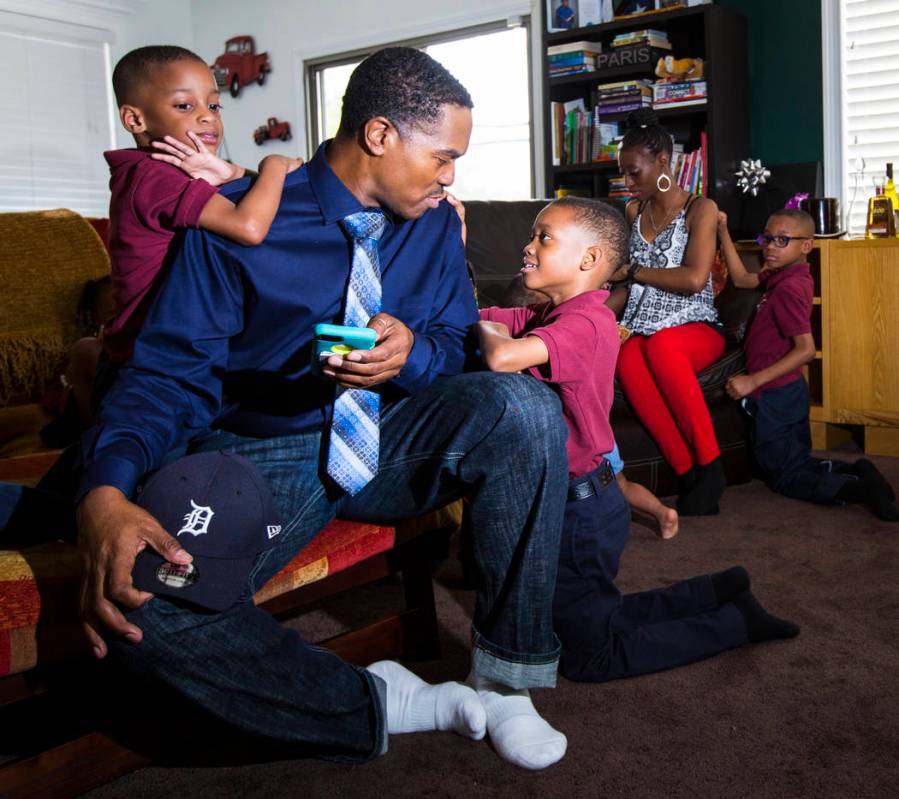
[(240, 64), (273, 129)]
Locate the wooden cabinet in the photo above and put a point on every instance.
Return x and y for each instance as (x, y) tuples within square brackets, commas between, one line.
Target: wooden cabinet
[(854, 379), (714, 33), (861, 360)]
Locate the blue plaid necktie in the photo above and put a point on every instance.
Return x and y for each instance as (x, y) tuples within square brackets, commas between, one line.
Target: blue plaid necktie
[(355, 426)]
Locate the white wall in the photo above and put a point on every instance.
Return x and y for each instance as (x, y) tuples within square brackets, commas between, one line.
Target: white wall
[(295, 30)]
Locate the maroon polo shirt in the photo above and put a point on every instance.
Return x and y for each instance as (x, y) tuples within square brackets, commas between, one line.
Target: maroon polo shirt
[(784, 311), (581, 336), (150, 201)]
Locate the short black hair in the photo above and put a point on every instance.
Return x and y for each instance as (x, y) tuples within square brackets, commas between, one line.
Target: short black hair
[(601, 220), (642, 129), (135, 67), (804, 222), (403, 84)]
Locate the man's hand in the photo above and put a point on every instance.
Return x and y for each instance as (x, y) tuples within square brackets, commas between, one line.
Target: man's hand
[(740, 386), (111, 532), (197, 161), (365, 368)]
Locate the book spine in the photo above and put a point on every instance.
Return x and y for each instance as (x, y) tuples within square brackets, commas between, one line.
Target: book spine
[(693, 91), (620, 108), (704, 150), (574, 58), (575, 70), (620, 97)]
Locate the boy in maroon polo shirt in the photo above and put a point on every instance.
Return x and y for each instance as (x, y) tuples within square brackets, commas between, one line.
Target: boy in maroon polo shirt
[(571, 342), (167, 96), (774, 392)]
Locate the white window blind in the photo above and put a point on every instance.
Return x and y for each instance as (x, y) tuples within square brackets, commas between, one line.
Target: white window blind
[(55, 116), (869, 33)]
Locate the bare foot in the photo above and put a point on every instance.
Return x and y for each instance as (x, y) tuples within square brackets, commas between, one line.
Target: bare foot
[(668, 522)]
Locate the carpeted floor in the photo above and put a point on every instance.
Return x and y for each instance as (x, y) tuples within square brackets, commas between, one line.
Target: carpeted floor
[(814, 717)]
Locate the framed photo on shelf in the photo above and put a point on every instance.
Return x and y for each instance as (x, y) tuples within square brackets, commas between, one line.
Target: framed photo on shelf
[(627, 8), (593, 12), (561, 15)]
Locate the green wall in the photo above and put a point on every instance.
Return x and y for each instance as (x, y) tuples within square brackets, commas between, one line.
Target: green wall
[(785, 89)]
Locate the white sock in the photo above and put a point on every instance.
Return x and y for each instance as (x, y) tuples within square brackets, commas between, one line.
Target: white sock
[(416, 706), (517, 731)]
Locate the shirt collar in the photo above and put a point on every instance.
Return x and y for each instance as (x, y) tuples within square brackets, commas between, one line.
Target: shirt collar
[(773, 278), (334, 199)]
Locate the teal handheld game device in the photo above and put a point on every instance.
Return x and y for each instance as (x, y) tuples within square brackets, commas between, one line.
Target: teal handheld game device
[(340, 340)]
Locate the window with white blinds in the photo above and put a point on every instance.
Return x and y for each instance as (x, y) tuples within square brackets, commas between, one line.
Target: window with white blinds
[(869, 45), (56, 116)]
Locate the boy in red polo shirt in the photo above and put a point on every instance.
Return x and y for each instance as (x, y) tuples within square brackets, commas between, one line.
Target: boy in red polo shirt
[(778, 344), (168, 96), (571, 342)]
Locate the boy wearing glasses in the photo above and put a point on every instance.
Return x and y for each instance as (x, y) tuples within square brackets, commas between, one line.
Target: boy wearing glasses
[(775, 395)]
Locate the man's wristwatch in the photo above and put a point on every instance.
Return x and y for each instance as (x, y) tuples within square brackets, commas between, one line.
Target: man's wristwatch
[(632, 272)]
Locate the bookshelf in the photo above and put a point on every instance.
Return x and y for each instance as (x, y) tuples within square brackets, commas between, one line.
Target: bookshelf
[(714, 33)]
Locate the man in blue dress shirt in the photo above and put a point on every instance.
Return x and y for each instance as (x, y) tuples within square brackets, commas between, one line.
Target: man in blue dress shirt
[(223, 362)]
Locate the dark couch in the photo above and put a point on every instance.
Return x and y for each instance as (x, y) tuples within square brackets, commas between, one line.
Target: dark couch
[(497, 231)]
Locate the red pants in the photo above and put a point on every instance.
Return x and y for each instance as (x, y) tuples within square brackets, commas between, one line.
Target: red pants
[(658, 376)]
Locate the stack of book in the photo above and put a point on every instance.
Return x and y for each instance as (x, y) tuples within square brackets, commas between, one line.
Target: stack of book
[(690, 169), (622, 96), (572, 58), (686, 92), (650, 36), (617, 189)]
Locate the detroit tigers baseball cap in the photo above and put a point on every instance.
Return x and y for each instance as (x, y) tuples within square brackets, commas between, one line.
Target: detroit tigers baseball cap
[(219, 508)]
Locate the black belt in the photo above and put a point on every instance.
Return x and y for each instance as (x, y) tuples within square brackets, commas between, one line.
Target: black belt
[(584, 489)]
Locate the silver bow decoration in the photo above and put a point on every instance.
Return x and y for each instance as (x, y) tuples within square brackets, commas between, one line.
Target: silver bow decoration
[(751, 175)]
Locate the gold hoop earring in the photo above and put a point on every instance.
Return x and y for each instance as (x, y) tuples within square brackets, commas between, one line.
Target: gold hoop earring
[(659, 183)]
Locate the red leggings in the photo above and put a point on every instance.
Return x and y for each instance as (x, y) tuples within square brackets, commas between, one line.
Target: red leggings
[(658, 376)]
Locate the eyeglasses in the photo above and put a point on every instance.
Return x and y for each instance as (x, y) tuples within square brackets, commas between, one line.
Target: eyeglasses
[(763, 240)]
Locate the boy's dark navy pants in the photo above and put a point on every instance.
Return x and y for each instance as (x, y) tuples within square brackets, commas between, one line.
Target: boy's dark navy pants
[(605, 634), (782, 445)]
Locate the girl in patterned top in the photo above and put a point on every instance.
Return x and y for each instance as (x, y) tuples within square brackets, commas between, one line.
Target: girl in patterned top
[(669, 319)]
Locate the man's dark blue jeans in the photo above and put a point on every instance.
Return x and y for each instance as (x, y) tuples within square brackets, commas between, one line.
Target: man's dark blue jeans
[(498, 439)]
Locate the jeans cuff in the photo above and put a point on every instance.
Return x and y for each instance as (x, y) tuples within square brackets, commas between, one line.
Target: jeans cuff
[(514, 669), (379, 705)]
